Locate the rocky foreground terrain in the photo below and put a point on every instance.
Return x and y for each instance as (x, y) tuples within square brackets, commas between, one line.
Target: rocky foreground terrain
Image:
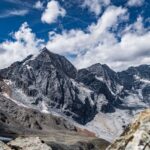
[(136, 136), (35, 143)]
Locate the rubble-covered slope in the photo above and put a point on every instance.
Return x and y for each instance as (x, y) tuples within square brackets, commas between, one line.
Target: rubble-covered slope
[(22, 120)]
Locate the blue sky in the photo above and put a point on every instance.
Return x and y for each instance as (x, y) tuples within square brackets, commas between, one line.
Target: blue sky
[(33, 17), (115, 32)]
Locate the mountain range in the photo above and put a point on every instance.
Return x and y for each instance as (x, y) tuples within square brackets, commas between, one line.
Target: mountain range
[(95, 98)]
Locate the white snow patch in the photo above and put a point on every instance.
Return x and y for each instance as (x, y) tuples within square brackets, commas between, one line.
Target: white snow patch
[(8, 82), (145, 81), (28, 67), (101, 100), (84, 92), (32, 58), (119, 88), (44, 108), (134, 100), (109, 126), (16, 102), (99, 78), (138, 78)]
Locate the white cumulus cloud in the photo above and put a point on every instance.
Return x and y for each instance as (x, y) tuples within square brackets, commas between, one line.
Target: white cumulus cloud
[(81, 43), (135, 2), (23, 44), (52, 12), (15, 12), (95, 6), (38, 5), (99, 45)]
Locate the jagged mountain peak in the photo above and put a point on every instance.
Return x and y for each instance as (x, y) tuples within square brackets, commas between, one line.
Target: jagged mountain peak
[(138, 69), (101, 73), (134, 77), (46, 54), (45, 60), (101, 69), (96, 65), (45, 49), (58, 61)]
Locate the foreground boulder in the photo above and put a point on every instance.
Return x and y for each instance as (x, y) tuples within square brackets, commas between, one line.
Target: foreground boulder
[(136, 136), (31, 143), (3, 146)]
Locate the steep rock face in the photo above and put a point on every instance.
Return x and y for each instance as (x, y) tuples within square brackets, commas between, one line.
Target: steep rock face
[(128, 102), (130, 76), (46, 81), (102, 80), (136, 136), (107, 75), (136, 80)]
